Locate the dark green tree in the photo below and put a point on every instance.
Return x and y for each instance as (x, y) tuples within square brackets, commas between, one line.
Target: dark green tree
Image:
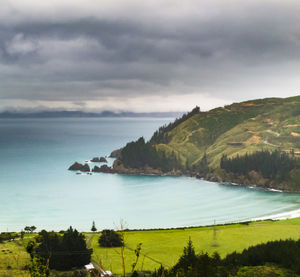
[(30, 229), (93, 229), (22, 235), (38, 268), (63, 252), (188, 258), (110, 238)]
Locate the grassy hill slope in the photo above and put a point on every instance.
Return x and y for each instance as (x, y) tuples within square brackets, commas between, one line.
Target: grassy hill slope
[(257, 125), (265, 124)]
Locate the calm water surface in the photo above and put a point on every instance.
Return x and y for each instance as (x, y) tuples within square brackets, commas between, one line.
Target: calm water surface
[(37, 189)]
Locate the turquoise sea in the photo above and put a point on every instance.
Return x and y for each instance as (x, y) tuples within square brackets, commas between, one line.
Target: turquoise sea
[(37, 189)]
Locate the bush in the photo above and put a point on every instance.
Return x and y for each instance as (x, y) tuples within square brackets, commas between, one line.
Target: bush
[(63, 251), (8, 236), (110, 238)]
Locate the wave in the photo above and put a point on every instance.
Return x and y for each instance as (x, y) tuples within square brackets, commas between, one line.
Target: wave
[(275, 190), (284, 215)]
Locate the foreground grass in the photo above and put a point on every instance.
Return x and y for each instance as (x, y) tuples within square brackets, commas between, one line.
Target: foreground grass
[(13, 259), (165, 246)]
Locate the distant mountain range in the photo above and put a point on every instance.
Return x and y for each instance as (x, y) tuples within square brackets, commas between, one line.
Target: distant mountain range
[(74, 114)]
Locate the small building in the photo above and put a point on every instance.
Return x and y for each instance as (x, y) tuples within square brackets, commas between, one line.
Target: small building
[(108, 273), (89, 267), (98, 270)]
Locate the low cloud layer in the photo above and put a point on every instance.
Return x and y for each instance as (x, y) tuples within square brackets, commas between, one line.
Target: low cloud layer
[(146, 55)]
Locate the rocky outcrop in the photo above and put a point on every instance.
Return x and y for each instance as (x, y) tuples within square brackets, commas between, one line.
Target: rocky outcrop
[(95, 160), (116, 153), (103, 160), (99, 160), (103, 169), (75, 166), (85, 168), (80, 167)]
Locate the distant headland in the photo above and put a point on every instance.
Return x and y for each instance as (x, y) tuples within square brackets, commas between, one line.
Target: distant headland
[(82, 114), (253, 143)]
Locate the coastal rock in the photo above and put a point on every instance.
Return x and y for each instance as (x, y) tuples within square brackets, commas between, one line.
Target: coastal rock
[(80, 167), (103, 160), (99, 160), (216, 179), (75, 166), (116, 153), (103, 169), (95, 160), (147, 170), (85, 168)]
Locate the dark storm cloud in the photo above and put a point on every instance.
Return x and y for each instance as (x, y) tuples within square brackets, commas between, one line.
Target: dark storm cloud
[(199, 49)]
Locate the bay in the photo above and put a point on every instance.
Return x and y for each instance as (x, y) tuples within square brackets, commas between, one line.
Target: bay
[(37, 189)]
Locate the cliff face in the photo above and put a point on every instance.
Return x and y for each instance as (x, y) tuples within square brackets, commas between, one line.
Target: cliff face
[(197, 142)]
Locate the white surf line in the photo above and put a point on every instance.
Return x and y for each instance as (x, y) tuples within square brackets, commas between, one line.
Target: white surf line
[(284, 215)]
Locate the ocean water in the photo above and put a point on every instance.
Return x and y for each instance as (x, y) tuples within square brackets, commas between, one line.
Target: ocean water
[(37, 189)]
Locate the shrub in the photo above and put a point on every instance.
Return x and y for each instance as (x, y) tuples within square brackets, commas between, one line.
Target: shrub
[(110, 238)]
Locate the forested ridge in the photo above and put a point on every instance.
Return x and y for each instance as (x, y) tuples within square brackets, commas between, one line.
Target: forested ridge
[(139, 154), (161, 135), (274, 165)]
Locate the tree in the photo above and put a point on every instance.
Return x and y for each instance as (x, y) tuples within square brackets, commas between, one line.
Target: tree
[(188, 259), (27, 229), (63, 252), (110, 238), (30, 229), (38, 268), (93, 229)]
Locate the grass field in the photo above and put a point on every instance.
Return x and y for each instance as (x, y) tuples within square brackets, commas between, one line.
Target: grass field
[(13, 259), (165, 246)]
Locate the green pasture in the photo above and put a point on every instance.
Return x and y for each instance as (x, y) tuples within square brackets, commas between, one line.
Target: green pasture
[(13, 259), (165, 246)]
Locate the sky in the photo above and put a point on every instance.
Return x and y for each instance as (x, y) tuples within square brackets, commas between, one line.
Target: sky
[(146, 56)]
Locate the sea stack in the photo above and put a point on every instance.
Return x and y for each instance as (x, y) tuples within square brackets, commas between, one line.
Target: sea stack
[(80, 167)]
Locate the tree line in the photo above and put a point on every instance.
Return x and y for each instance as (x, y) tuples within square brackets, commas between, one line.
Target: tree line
[(273, 165), (138, 154), (283, 253), (160, 136), (8, 236)]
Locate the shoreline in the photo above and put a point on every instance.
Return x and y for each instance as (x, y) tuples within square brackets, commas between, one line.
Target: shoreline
[(280, 216), (272, 218), (213, 179)]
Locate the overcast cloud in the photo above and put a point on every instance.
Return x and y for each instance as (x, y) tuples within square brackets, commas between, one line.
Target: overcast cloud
[(151, 55)]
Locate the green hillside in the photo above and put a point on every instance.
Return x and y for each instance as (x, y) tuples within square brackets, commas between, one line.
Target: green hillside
[(257, 125), (238, 128)]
